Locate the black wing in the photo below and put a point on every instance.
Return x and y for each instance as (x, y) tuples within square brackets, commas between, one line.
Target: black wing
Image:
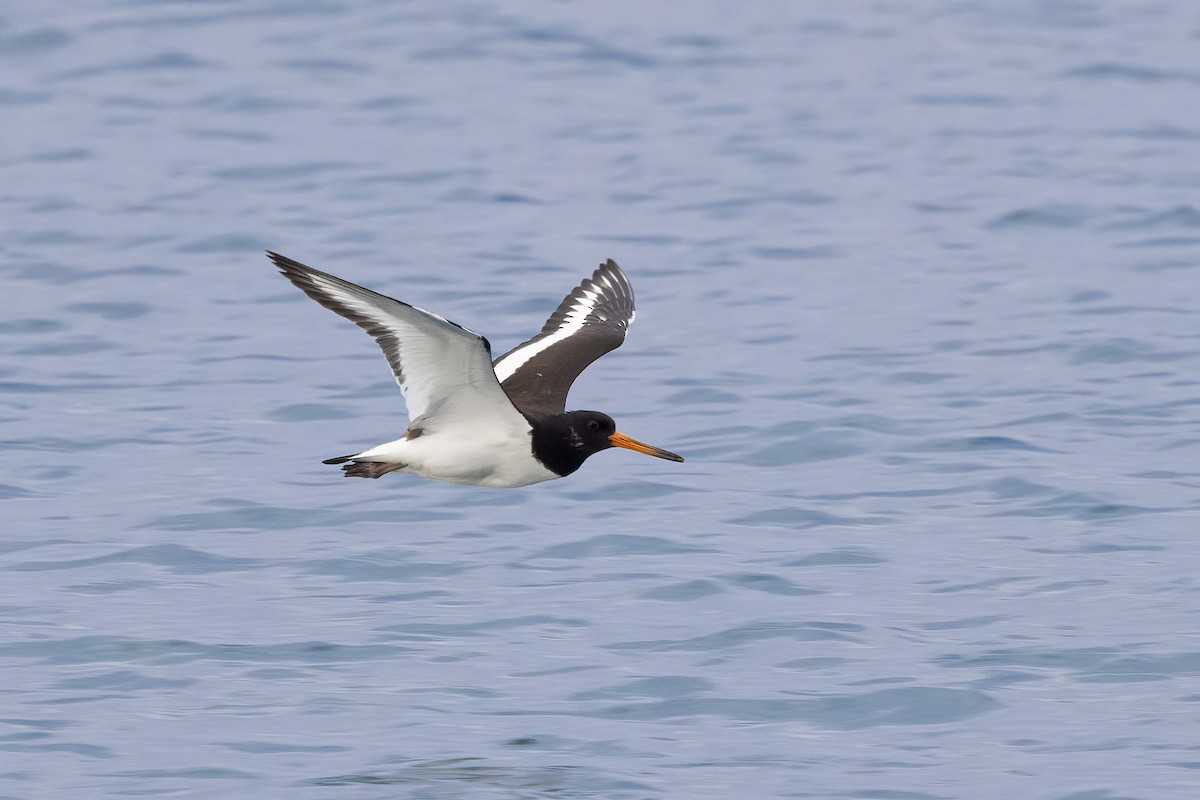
[(589, 322)]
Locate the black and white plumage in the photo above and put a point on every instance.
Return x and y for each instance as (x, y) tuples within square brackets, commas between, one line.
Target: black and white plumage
[(472, 421), (592, 320)]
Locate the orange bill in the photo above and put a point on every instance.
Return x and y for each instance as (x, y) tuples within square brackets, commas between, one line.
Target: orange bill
[(621, 440)]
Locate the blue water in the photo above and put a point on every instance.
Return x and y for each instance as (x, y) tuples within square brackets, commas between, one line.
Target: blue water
[(919, 299)]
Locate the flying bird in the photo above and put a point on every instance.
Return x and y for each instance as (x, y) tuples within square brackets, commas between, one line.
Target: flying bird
[(476, 421)]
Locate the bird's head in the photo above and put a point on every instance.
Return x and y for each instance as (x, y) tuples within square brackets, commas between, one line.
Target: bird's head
[(562, 442), (592, 431)]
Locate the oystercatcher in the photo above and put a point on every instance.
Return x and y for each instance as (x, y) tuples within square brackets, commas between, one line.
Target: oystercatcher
[(480, 422)]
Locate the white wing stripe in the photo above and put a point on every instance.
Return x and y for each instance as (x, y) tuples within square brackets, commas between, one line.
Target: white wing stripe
[(572, 324)]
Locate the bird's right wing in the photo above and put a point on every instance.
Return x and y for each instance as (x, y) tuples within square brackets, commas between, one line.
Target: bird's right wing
[(443, 369)]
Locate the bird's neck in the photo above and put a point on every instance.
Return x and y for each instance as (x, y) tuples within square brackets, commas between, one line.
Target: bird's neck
[(556, 444)]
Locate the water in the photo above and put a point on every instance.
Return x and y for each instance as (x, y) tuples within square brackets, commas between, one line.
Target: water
[(918, 300)]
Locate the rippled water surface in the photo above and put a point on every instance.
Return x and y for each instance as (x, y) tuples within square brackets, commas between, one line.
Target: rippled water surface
[(918, 290)]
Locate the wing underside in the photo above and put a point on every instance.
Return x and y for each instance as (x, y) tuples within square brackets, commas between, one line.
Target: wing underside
[(442, 368)]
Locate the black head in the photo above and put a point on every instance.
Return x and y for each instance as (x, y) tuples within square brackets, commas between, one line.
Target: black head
[(564, 441)]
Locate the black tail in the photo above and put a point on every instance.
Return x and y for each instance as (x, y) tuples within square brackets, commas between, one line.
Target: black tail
[(339, 459), (370, 469)]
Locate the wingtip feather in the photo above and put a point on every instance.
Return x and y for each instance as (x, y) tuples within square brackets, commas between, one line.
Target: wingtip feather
[(284, 263)]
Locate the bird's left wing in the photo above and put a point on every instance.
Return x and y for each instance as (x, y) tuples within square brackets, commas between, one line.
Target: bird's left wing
[(589, 322), (442, 368)]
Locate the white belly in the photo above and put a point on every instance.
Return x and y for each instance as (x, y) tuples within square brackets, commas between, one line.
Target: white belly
[(503, 460)]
